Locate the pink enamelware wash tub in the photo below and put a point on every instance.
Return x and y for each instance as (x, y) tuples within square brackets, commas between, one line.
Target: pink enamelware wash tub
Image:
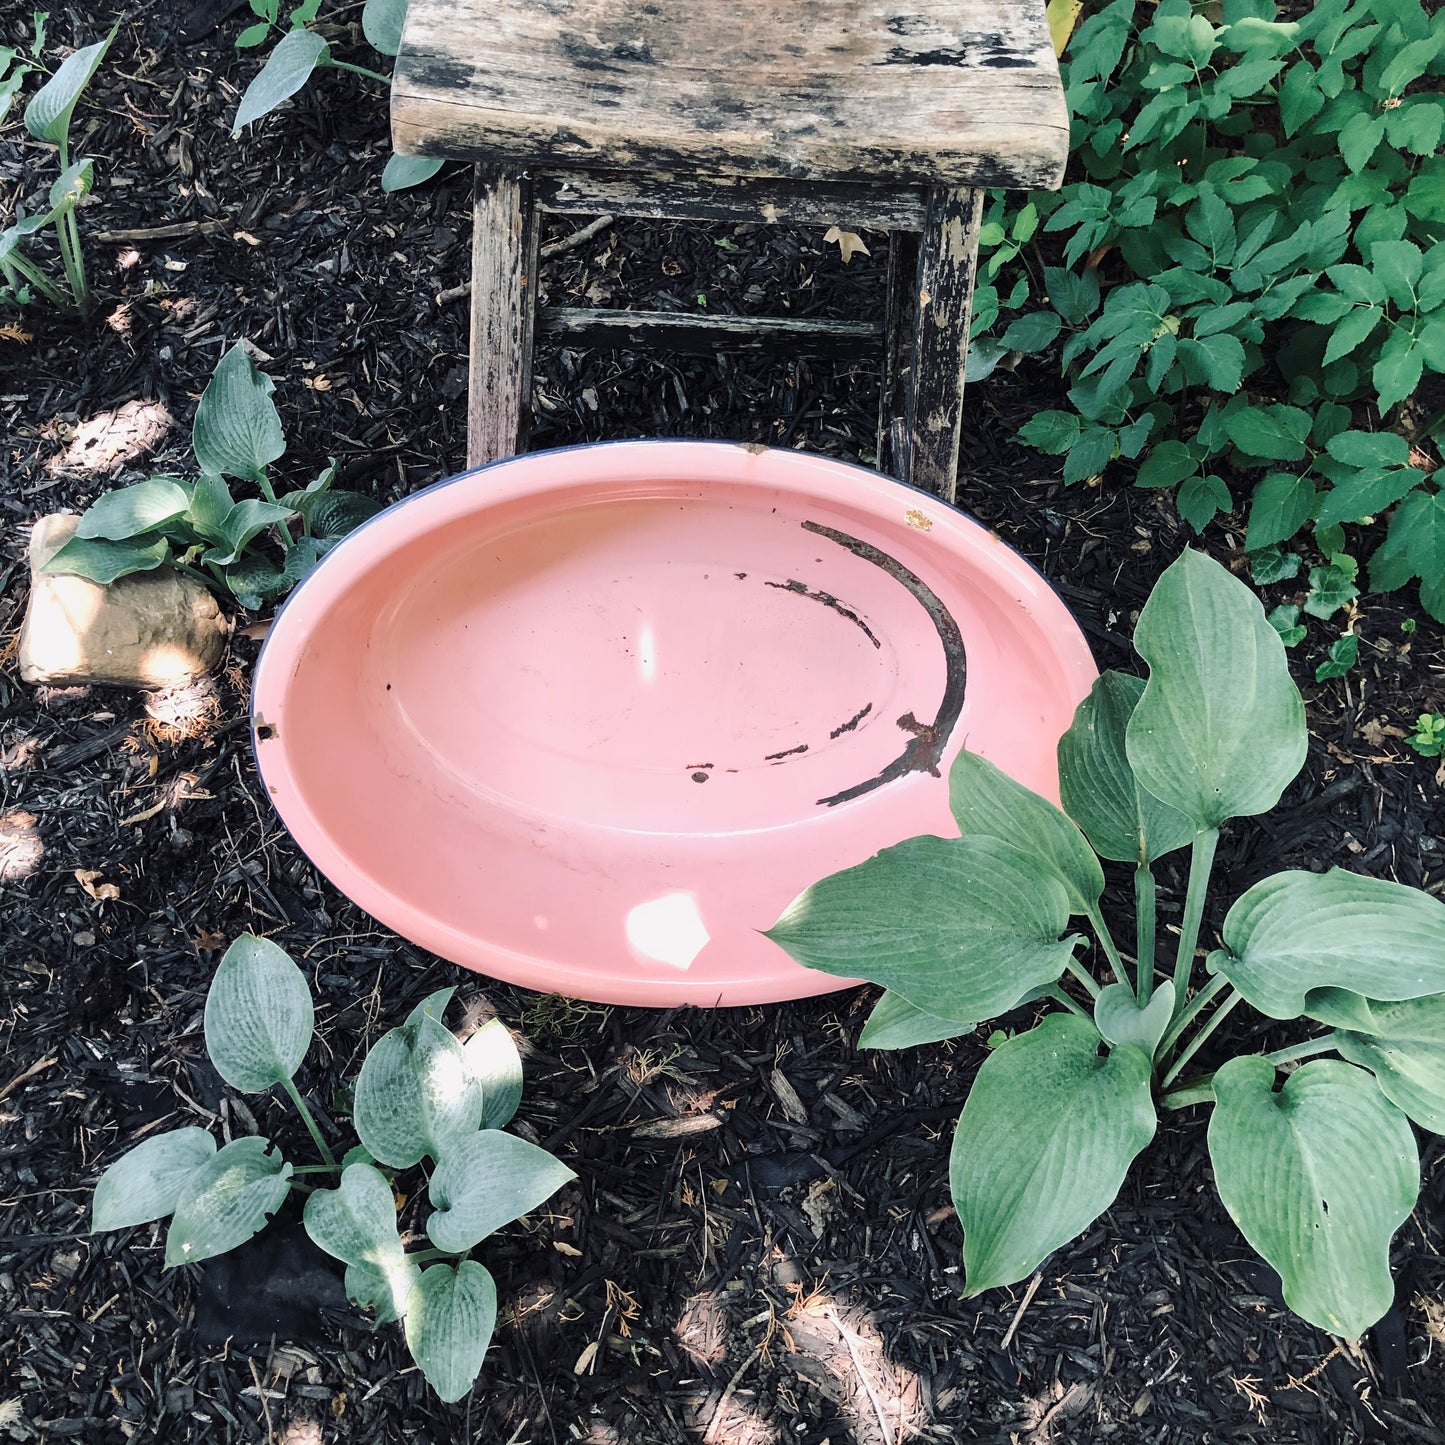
[(587, 720)]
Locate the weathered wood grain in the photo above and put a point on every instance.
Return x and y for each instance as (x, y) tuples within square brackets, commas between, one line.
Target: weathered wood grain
[(671, 331), (938, 92), (504, 308), (692, 197)]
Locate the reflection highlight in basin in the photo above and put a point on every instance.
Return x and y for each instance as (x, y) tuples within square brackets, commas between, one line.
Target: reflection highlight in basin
[(668, 930)]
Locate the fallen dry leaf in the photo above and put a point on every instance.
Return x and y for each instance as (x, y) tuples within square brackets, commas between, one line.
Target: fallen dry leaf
[(849, 243), (88, 878)]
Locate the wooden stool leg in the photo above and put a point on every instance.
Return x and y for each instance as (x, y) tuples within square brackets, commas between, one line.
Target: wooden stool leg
[(947, 251), (899, 309), (504, 307)]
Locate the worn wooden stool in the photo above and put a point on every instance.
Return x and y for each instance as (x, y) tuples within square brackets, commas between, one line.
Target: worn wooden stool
[(826, 112)]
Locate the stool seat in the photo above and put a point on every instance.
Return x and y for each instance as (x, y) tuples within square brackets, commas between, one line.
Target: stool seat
[(957, 93)]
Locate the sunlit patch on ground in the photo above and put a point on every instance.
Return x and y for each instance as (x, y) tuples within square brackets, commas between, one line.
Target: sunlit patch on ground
[(112, 438)]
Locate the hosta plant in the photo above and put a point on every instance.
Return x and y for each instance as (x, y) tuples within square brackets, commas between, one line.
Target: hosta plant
[(420, 1096), (303, 49), (47, 118), (199, 527), (1314, 1157)]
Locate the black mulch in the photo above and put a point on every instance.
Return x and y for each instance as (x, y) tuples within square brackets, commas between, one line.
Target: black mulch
[(787, 1273)]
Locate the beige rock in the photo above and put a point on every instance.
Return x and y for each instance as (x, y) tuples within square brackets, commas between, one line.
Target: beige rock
[(148, 630)]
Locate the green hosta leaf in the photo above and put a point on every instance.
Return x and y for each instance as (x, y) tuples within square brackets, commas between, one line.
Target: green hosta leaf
[(211, 504), (118, 516), (145, 1183), (258, 1017), (1318, 1176), (486, 1181), (1120, 819), (381, 22), (1043, 1144), (334, 514), (254, 580), (71, 187), (897, 1024), (1282, 504), (433, 1006), (1220, 729), (401, 173), (227, 1200), (987, 801), (47, 117), (414, 1095), (286, 70), (103, 561), (245, 521), (1404, 1047), (237, 431), (1119, 1018), (1300, 931), (1341, 1009), (1275, 433), (356, 1223), (450, 1316), (493, 1061), (1344, 653), (961, 927)]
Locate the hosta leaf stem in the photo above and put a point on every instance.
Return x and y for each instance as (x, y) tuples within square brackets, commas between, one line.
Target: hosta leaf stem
[(1059, 996), (1106, 940), (356, 70), (307, 1118), (1197, 1042), (1305, 1050), (1201, 861), (1144, 932), (1083, 975), (1191, 1011)]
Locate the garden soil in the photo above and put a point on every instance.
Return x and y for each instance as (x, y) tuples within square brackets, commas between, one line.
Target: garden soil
[(760, 1246)]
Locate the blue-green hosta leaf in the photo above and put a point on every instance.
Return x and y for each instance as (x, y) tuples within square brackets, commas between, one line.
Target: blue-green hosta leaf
[(258, 1015), (286, 70), (415, 1096), (227, 1200), (1341, 1009), (381, 22), (245, 521), (356, 1223), (450, 1316), (211, 504), (1044, 1142), (897, 1024), (1219, 731), (493, 1061), (1297, 932), (1122, 820), (334, 514), (401, 173), (986, 801), (71, 187), (1317, 1176), (486, 1181), (237, 430), (103, 561), (961, 927), (1119, 1018), (433, 1006), (133, 511), (47, 117), (1404, 1047), (145, 1183)]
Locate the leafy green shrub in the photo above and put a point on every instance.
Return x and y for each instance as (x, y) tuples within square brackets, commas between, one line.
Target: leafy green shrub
[(47, 118), (1250, 264), (420, 1094), (198, 527), (303, 49), (1317, 1174)]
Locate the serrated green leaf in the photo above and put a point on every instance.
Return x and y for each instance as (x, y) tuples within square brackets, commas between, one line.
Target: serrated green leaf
[(237, 430), (897, 1024), (1358, 283), (1369, 449), (1398, 371), (1272, 433), (1051, 432), (1220, 729), (1121, 820), (1409, 63), (1398, 264), (1416, 126), (1167, 463), (987, 802), (1420, 523), (1404, 1047), (450, 1316), (1352, 331), (493, 1061), (1285, 621), (227, 1200), (486, 1181), (1366, 494), (1300, 97), (258, 1017), (1220, 360), (1200, 499), (1090, 454), (1043, 1145), (1318, 1177), (145, 1183), (131, 511), (1032, 332), (286, 70), (1281, 505), (1299, 931), (962, 927), (1359, 138), (104, 561), (1331, 586)]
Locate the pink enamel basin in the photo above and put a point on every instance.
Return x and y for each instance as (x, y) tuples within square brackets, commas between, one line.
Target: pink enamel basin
[(587, 720)]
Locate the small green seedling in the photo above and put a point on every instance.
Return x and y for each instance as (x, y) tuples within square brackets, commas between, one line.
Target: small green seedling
[(1344, 653), (47, 118), (302, 50), (198, 527), (421, 1094), (1319, 1173), (1428, 739)]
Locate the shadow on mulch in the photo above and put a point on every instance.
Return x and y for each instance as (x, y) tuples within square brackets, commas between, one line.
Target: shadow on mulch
[(760, 1247)]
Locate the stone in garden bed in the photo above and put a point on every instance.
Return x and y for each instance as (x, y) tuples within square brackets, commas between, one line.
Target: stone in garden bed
[(148, 630)]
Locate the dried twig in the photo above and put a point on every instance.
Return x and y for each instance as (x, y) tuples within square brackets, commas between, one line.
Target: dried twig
[(1024, 1303)]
